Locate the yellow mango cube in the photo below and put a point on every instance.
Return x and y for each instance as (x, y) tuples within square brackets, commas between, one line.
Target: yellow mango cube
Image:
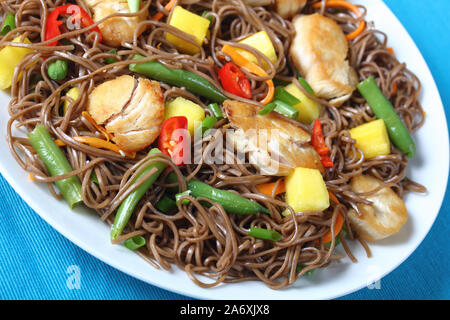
[(10, 57), (306, 190), (190, 23), (308, 109), (183, 107), (372, 139), (261, 42), (72, 93)]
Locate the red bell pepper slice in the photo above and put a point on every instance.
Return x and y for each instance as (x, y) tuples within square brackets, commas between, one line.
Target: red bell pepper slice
[(318, 142), (174, 139), (234, 81), (77, 13)]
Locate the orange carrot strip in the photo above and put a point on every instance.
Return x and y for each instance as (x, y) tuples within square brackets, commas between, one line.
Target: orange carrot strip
[(99, 143), (168, 7), (346, 5), (269, 188), (394, 88), (99, 128), (338, 224), (390, 50), (242, 62)]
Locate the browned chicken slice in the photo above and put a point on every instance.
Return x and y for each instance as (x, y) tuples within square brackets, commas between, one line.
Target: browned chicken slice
[(384, 217), (289, 8), (285, 8), (319, 51), (275, 145), (117, 29), (131, 110)]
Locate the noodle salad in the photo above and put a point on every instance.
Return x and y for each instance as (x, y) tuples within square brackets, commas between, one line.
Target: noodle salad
[(238, 140)]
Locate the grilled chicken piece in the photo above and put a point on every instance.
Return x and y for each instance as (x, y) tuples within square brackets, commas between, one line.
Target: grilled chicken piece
[(319, 51), (384, 217), (275, 145), (117, 29), (285, 8), (131, 110), (289, 8)]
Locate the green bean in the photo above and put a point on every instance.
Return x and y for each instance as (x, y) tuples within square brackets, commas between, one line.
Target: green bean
[(264, 234), (57, 164), (179, 78), (383, 109), (231, 202), (128, 205)]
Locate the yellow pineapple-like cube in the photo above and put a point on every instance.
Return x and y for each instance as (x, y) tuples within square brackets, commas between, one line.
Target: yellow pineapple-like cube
[(309, 110), (261, 42), (372, 139), (306, 190), (184, 107), (190, 23)]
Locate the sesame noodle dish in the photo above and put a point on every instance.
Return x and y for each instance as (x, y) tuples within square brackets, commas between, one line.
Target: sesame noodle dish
[(239, 140)]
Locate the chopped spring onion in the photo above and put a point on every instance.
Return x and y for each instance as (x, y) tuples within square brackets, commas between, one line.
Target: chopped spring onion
[(283, 95), (267, 109), (111, 60), (306, 85), (166, 204), (134, 243), (134, 5), (178, 196), (285, 109), (8, 25), (216, 111)]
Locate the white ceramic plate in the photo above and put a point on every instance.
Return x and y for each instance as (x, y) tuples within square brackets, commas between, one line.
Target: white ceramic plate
[(86, 230)]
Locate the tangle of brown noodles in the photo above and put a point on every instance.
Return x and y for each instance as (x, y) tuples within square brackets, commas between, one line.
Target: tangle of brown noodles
[(203, 239)]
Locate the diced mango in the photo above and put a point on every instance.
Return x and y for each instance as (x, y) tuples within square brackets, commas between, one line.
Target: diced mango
[(183, 107), (372, 139), (72, 93), (10, 57), (308, 110), (260, 41), (306, 190), (190, 23)]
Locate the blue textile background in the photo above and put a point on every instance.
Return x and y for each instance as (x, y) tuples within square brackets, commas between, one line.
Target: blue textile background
[(34, 258)]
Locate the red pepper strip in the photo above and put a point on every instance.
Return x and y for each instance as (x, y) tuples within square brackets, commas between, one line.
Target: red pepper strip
[(77, 13), (318, 142), (234, 81), (173, 139)]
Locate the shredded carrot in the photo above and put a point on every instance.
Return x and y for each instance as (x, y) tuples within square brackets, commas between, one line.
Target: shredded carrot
[(338, 224), (351, 7), (31, 177), (91, 120), (99, 143), (59, 143), (394, 88), (390, 50), (269, 188), (242, 62), (168, 7)]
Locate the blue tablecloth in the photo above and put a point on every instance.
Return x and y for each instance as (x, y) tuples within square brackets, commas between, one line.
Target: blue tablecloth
[(34, 258)]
